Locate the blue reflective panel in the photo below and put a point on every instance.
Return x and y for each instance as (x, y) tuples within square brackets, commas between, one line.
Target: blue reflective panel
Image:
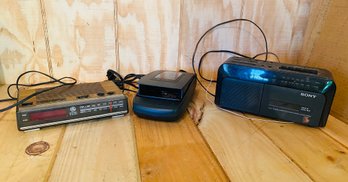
[(247, 73), (256, 74), (327, 86)]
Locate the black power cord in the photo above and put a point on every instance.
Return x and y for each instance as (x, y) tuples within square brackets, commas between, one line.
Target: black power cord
[(225, 51), (130, 79), (215, 51), (18, 85), (264, 53)]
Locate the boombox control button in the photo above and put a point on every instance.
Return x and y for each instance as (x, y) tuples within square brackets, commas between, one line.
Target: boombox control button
[(315, 88)]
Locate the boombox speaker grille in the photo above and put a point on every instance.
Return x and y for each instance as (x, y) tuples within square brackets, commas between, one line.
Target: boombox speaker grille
[(240, 95)]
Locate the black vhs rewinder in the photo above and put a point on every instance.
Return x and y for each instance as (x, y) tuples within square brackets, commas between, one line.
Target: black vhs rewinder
[(164, 95)]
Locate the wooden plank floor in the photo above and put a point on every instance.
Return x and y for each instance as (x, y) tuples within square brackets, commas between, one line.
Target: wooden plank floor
[(101, 150), (175, 151), (273, 151), (224, 147)]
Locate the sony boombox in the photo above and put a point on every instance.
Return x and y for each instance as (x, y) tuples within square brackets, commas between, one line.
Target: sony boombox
[(281, 91)]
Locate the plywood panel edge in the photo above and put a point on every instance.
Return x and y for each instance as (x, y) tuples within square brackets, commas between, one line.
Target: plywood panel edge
[(55, 152), (117, 50), (47, 41), (178, 61)]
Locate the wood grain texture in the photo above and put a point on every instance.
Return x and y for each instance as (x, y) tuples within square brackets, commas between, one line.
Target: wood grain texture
[(103, 150), (242, 148), (148, 35), (284, 23), (81, 38), (337, 129), (16, 165), (22, 40), (174, 151), (330, 52), (316, 18), (321, 157)]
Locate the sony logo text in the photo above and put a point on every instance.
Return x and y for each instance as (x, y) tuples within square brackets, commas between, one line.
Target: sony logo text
[(308, 95)]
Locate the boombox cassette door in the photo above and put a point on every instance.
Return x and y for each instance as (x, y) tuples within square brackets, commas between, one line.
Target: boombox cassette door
[(292, 105)]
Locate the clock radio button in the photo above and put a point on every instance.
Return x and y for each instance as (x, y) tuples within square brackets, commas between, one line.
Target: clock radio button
[(82, 97), (100, 94), (110, 93), (27, 104), (73, 109)]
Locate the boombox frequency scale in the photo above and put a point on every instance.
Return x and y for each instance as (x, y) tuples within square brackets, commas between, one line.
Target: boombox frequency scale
[(70, 103)]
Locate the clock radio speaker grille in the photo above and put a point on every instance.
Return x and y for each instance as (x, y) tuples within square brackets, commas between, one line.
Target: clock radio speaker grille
[(240, 95)]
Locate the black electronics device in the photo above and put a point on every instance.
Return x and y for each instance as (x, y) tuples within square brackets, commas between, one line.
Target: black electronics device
[(164, 95), (70, 103), (282, 91)]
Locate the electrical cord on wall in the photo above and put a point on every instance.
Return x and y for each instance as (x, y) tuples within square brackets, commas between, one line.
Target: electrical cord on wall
[(266, 53), (18, 85)]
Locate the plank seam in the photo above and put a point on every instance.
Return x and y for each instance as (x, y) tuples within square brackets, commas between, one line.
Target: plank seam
[(283, 151), (135, 145), (212, 151), (338, 116), (117, 50), (207, 143), (47, 43), (332, 137), (54, 158), (178, 61)]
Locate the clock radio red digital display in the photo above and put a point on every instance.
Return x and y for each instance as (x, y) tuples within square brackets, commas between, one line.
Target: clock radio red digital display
[(48, 115)]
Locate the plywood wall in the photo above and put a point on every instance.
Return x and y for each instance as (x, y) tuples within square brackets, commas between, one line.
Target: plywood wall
[(22, 39), (330, 51), (84, 38), (286, 25), (148, 35)]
